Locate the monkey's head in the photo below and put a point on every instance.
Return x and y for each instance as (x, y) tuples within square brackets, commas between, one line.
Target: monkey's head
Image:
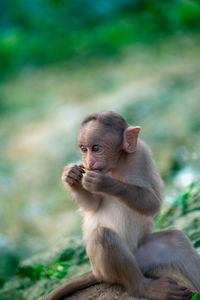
[(102, 139)]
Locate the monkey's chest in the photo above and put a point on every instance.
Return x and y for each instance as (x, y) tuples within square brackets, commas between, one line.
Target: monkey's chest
[(130, 226)]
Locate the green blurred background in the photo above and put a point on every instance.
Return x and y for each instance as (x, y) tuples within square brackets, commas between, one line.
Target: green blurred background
[(59, 61)]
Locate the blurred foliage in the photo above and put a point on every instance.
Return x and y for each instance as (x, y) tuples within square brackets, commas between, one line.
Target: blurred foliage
[(184, 212), (36, 279), (42, 32), (57, 269), (196, 297), (38, 275), (54, 56), (8, 264), (38, 138), (169, 116)]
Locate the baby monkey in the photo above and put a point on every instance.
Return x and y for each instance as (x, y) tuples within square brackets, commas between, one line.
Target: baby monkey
[(119, 193)]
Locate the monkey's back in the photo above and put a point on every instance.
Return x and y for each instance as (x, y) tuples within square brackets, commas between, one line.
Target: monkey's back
[(121, 219)]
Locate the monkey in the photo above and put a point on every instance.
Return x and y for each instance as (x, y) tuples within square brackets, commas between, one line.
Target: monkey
[(119, 190)]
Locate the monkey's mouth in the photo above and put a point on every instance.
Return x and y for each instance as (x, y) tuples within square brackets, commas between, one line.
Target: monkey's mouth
[(102, 170)]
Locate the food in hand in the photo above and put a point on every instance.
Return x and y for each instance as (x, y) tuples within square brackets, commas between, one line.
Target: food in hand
[(85, 170)]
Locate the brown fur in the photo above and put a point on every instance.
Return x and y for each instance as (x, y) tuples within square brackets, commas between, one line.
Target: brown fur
[(119, 197)]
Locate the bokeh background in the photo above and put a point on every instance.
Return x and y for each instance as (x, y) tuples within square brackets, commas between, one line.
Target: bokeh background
[(59, 61)]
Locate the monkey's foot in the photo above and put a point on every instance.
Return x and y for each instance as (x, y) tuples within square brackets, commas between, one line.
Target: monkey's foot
[(165, 289)]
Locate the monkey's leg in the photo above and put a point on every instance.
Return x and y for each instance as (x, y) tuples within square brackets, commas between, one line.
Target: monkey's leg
[(169, 253), (112, 261)]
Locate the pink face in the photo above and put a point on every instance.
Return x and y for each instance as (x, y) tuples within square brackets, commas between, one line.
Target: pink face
[(99, 147)]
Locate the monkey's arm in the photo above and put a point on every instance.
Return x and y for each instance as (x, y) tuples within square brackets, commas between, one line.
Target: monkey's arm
[(85, 199), (144, 200)]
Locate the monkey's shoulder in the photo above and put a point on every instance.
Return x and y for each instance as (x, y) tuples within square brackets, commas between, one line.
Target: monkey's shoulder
[(143, 169)]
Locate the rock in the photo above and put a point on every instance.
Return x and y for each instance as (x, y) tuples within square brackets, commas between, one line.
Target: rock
[(102, 291)]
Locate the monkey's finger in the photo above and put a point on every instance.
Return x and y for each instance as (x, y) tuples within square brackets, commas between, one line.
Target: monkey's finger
[(65, 177), (74, 167), (182, 294), (87, 185), (89, 182), (176, 297), (84, 170), (92, 175), (69, 180), (78, 171), (73, 173), (188, 293), (171, 281), (88, 178), (185, 297), (183, 288), (74, 179), (185, 291), (180, 288)]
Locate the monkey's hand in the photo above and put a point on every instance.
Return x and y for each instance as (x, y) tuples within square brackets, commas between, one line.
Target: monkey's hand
[(72, 175), (95, 181)]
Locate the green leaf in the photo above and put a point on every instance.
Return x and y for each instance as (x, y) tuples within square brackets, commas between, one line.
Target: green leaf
[(196, 297)]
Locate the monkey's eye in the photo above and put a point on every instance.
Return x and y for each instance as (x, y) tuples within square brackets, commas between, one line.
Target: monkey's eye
[(83, 148), (96, 148)]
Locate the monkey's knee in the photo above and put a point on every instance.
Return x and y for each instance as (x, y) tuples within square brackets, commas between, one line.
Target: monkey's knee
[(178, 239)]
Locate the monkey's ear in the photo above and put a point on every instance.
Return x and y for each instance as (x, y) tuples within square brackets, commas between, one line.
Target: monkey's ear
[(130, 139)]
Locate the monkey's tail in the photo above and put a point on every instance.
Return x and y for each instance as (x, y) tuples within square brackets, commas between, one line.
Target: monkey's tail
[(71, 286)]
